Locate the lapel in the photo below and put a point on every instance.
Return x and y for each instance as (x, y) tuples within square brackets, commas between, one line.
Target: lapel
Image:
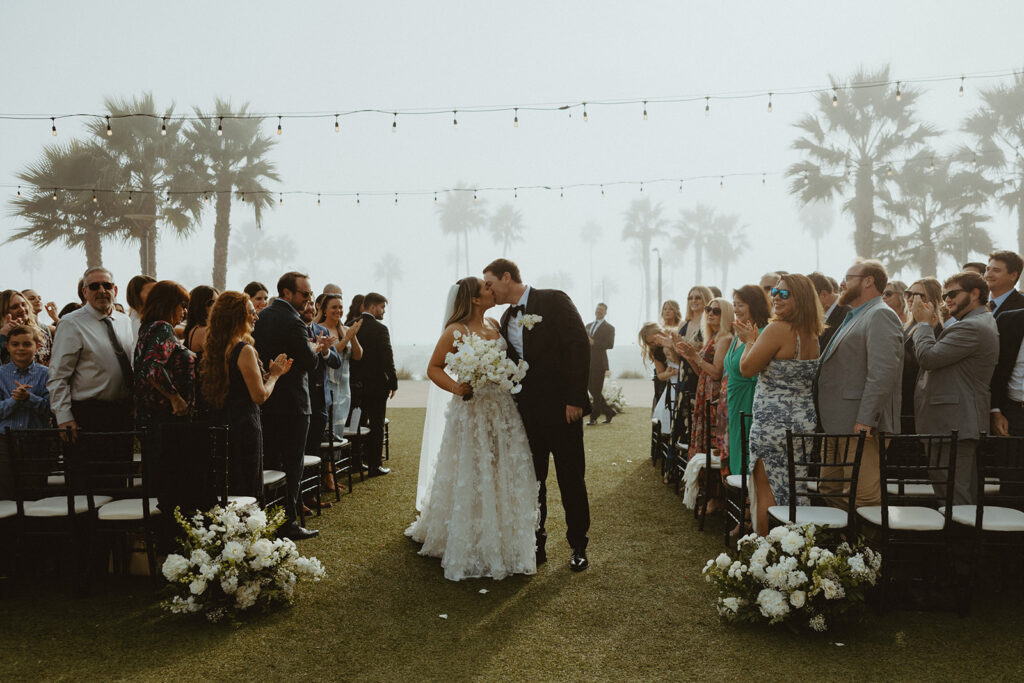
[(531, 309), (845, 331), (504, 324)]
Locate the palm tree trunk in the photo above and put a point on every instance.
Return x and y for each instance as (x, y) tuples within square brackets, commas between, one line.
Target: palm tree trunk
[(93, 249), (151, 250), (1020, 220), (698, 256), (645, 261), (864, 214), (458, 255), (465, 251), (221, 233), (817, 254)]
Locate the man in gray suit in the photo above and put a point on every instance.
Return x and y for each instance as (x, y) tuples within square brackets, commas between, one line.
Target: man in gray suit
[(953, 391), (859, 377)]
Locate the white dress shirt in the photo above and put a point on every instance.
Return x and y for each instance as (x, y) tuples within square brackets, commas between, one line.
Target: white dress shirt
[(515, 330), (83, 365), (1015, 386)]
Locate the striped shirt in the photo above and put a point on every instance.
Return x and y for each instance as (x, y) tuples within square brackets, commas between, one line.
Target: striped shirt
[(33, 412)]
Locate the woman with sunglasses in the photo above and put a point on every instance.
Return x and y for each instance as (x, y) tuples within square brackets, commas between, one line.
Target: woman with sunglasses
[(691, 330), (893, 298), (786, 356), (929, 290)]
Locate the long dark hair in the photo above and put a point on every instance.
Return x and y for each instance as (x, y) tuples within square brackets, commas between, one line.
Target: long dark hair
[(469, 287), (355, 309), (200, 301), (321, 308)]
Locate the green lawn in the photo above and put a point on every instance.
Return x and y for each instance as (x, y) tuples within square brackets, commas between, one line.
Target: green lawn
[(640, 612)]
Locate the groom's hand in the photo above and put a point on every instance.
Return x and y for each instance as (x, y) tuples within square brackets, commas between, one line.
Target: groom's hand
[(573, 413)]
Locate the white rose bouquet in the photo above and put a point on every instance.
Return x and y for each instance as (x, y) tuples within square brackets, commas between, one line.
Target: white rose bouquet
[(231, 561), (614, 396), (785, 577), (482, 362)]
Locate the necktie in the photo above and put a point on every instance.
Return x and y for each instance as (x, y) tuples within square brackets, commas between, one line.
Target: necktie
[(122, 357)]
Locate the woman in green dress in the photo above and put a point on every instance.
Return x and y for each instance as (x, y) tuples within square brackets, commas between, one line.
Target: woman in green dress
[(750, 305)]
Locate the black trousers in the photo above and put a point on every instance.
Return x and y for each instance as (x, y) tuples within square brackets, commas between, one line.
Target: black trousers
[(103, 416), (596, 387), (284, 442), (374, 408), (315, 435), (565, 443)]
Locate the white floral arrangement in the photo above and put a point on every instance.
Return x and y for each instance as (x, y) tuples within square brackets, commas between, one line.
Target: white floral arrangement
[(528, 320), (614, 396), (785, 577), (483, 362), (231, 561)]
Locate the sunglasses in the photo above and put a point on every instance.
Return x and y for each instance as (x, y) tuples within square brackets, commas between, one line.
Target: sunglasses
[(95, 286), (952, 294), (781, 293), (909, 296)]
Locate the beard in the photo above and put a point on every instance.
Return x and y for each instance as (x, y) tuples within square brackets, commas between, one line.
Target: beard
[(852, 293)]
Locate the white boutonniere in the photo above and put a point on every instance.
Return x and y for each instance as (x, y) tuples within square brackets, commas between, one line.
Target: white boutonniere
[(529, 320)]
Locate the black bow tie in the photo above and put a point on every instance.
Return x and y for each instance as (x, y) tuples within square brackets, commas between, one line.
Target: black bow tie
[(518, 308)]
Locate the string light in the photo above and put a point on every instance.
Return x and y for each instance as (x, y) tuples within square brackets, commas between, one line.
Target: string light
[(54, 195), (707, 106), (357, 199), (974, 161), (585, 119), (835, 97), (888, 171), (94, 200), (278, 125), (515, 118), (318, 199), (641, 187), (455, 117), (337, 124), (53, 127), (206, 197), (847, 173), (721, 182), (961, 93), (163, 127), (280, 200), (561, 193), (602, 190), (129, 197), (109, 131), (394, 123), (645, 110), (220, 125), (680, 185), (243, 196), (435, 198), (769, 103), (474, 195), (515, 193), (168, 195), (931, 166), (899, 95), (19, 191), (396, 199), (764, 179)]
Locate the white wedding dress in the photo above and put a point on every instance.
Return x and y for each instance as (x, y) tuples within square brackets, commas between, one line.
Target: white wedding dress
[(480, 511)]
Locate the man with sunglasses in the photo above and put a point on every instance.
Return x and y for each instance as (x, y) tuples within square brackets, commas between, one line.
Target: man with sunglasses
[(859, 384), (956, 370), (90, 365)]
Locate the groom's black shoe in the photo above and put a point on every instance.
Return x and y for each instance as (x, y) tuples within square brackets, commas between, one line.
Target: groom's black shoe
[(608, 419), (542, 556), (591, 422), (378, 471), (578, 562)]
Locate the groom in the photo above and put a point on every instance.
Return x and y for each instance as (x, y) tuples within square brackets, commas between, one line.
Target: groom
[(543, 327)]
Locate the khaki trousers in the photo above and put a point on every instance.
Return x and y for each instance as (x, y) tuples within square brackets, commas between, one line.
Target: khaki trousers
[(869, 491)]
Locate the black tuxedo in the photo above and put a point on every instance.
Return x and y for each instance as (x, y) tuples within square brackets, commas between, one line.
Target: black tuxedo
[(602, 335), (279, 329), (1014, 302), (558, 352), (832, 324), (1011, 335), (372, 378), (317, 398)]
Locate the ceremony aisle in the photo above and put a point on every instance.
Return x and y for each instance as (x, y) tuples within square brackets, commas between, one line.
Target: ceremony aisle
[(641, 612)]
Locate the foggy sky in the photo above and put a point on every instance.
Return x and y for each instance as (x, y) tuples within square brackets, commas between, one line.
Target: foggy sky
[(63, 57)]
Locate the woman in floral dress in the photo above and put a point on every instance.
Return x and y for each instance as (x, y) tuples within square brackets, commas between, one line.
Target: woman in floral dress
[(709, 365)]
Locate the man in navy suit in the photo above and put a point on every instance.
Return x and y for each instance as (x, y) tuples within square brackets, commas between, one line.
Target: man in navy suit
[(1001, 275), (280, 329), (373, 378)]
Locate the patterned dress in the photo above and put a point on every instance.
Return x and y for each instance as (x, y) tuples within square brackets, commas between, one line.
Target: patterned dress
[(783, 400), (707, 392), (162, 358)]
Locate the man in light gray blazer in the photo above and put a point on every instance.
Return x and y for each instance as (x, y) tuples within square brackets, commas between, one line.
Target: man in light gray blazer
[(953, 390), (858, 388)]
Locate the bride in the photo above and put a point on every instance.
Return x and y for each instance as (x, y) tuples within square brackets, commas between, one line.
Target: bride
[(478, 499)]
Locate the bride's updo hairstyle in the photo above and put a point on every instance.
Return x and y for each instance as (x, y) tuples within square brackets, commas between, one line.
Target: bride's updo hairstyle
[(469, 287)]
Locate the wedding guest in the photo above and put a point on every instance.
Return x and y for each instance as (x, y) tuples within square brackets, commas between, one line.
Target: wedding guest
[(602, 338), (68, 308), (258, 294), (135, 293), (652, 350), (769, 280), (234, 386), (16, 310), (315, 383), (165, 370), (930, 291), (973, 267), (355, 310), (90, 370), (671, 315), (201, 300), (279, 329), (1007, 389), (38, 308), (1001, 274), (692, 331), (953, 393), (373, 377), (859, 381), (750, 305), (24, 399), (338, 392), (715, 291), (835, 313), (893, 298), (785, 359)]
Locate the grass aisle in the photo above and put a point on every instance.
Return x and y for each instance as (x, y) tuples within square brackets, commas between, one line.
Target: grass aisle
[(640, 612)]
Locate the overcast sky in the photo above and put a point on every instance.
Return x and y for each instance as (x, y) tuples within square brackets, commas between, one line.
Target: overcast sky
[(63, 57)]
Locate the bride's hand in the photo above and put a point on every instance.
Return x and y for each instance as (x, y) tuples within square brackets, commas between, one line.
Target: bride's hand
[(461, 388)]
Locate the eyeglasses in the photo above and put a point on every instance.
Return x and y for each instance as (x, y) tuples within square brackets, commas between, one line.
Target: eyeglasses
[(952, 294), (909, 296), (781, 293), (305, 295), (95, 286), (712, 311)]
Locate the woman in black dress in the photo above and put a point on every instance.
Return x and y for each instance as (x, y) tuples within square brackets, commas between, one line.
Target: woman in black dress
[(235, 386)]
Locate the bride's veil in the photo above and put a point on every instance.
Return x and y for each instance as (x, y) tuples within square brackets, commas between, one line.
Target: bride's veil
[(433, 423)]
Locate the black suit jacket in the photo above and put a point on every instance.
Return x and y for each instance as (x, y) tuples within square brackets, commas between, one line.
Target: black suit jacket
[(374, 374), (1014, 302), (604, 339), (1011, 334), (317, 375), (832, 325), (279, 329), (558, 351)]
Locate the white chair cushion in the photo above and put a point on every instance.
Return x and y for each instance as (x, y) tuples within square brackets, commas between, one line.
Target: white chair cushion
[(8, 508), (310, 460), (905, 518), (734, 481), (911, 489), (55, 480), (271, 477), (127, 509), (241, 500), (820, 515), (995, 519), (57, 506), (363, 431), (812, 486), (340, 443)]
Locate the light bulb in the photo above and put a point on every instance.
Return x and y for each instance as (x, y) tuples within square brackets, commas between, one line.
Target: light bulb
[(641, 187), (206, 197), (561, 193), (435, 198), (474, 195), (94, 200), (129, 197), (318, 200), (974, 161), (769, 103), (961, 93), (280, 200), (835, 97), (278, 125), (220, 125), (396, 199), (19, 191), (847, 173), (394, 123), (585, 119), (243, 196), (515, 119), (515, 193), (707, 106), (455, 117), (899, 95), (680, 185), (645, 110), (53, 126), (931, 166), (109, 131), (168, 195), (337, 125), (163, 127), (602, 190), (54, 195), (357, 199), (888, 171), (721, 182), (764, 179)]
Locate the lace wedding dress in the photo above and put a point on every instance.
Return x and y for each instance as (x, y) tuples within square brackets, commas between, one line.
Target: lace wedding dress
[(480, 512)]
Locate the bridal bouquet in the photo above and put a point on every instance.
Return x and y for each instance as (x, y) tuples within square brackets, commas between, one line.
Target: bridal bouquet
[(614, 396), (230, 561), (786, 577), (482, 362)]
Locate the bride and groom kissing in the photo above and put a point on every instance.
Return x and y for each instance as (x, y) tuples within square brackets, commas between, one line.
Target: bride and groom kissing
[(483, 493)]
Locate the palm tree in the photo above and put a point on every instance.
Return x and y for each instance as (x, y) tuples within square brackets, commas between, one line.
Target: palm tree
[(255, 248), (388, 269), (591, 233), (694, 231), (730, 240), (76, 218), (149, 156), (850, 143), (507, 227), (234, 163), (460, 214), (998, 132), (643, 224), (818, 219)]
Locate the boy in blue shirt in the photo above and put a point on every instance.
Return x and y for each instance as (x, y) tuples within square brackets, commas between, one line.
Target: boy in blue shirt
[(24, 399)]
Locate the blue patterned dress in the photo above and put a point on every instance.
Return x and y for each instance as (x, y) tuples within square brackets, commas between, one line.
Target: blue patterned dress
[(783, 400)]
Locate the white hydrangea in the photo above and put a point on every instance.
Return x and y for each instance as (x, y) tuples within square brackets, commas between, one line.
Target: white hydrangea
[(778, 533), (793, 542), (229, 584), (772, 603), (256, 520), (175, 566), (723, 561), (246, 594), (199, 557), (198, 586)]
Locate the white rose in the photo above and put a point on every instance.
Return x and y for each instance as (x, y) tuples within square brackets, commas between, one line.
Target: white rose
[(233, 550), (199, 557), (772, 603), (723, 561), (797, 599), (197, 586), (174, 567), (256, 521), (778, 533), (792, 542)]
